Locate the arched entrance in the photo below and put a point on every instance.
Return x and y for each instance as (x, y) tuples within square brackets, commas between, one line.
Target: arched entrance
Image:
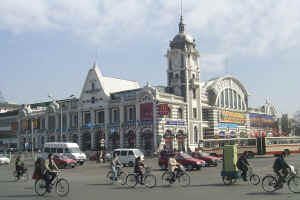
[(86, 141), (147, 141), (168, 137), (130, 139), (180, 137)]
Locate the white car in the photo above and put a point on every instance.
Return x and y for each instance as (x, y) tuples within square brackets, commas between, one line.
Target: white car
[(4, 160)]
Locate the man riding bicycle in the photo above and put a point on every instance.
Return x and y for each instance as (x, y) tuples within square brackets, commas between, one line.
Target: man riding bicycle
[(280, 165), (138, 168), (20, 169), (115, 166), (173, 166), (51, 170), (242, 164)]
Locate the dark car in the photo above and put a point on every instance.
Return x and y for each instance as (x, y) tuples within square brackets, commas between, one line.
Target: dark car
[(63, 161), (184, 159), (210, 160)]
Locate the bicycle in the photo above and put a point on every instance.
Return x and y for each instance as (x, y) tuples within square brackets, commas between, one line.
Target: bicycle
[(61, 185), (149, 180), (254, 179), (270, 183), (180, 175), (24, 175), (121, 177)]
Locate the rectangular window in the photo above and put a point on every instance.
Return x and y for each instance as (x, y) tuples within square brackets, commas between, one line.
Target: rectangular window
[(116, 115), (123, 153), (205, 114), (195, 113), (100, 117), (51, 122), (87, 117), (60, 150), (194, 94)]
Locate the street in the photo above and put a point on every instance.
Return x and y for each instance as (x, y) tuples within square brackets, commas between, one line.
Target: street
[(87, 182)]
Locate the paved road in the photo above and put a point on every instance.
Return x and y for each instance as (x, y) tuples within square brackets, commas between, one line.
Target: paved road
[(88, 183)]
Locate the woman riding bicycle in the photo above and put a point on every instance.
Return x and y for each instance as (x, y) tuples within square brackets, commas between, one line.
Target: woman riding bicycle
[(115, 165), (51, 170)]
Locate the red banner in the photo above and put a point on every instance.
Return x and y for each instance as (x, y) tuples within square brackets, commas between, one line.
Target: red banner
[(146, 111), (14, 126), (163, 109)]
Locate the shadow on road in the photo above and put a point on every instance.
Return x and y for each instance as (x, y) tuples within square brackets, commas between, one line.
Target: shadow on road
[(19, 196), (99, 184), (2, 181)]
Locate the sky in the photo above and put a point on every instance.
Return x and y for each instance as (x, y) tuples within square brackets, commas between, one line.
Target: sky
[(47, 47)]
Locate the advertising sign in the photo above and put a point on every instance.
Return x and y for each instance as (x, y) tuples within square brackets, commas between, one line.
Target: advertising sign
[(146, 111), (163, 109), (14, 126), (232, 117), (261, 120)]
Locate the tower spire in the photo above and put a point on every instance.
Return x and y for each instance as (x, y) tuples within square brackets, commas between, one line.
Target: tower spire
[(181, 25)]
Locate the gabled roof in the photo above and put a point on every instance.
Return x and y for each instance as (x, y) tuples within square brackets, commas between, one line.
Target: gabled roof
[(112, 85)]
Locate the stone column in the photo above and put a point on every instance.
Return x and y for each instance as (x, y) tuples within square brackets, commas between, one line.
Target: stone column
[(137, 130), (106, 130)]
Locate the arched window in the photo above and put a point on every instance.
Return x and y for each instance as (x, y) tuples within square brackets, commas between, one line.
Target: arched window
[(93, 85), (230, 98), (226, 98), (222, 99), (235, 99), (180, 114), (195, 135)]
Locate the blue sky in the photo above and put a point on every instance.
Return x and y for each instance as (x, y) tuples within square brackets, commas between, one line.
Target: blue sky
[(49, 46)]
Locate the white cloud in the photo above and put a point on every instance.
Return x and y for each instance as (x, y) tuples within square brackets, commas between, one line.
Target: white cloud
[(213, 63), (237, 27)]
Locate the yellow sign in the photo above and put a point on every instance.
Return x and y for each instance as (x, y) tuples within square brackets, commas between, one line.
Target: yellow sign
[(232, 117)]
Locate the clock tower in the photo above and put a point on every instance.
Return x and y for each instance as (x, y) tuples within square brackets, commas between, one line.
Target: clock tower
[(184, 78)]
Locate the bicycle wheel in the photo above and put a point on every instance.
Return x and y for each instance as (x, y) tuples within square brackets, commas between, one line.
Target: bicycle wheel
[(150, 181), (62, 187), (269, 183), (131, 180), (122, 178), (294, 184), (40, 187), (254, 179), (15, 175), (184, 179), (109, 177), (166, 178), (227, 180)]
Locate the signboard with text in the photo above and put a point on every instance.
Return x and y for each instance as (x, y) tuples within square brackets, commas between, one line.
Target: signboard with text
[(146, 112), (232, 117), (163, 109)]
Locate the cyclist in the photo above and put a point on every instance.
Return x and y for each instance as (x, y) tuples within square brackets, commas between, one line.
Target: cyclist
[(243, 165), (138, 168), (281, 165), (39, 171), (19, 167), (173, 166), (115, 166), (51, 170)]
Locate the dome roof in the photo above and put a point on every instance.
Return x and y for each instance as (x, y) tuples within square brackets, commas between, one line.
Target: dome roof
[(182, 39)]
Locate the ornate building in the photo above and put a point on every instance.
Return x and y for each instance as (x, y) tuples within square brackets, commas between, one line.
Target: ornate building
[(112, 113)]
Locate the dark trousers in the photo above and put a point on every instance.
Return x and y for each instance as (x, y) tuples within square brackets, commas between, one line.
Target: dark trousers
[(281, 177), (244, 170), (20, 171), (49, 177)]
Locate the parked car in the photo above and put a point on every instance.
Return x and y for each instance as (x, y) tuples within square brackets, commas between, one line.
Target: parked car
[(210, 160), (4, 160), (63, 161), (128, 156), (185, 159)]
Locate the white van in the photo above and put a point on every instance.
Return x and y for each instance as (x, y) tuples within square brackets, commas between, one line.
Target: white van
[(128, 156), (71, 150)]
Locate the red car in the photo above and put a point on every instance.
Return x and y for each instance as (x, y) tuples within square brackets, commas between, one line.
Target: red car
[(185, 159), (63, 161), (210, 160)]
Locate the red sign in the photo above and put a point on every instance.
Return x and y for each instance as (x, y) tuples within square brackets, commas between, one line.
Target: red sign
[(163, 109), (146, 111), (14, 126)]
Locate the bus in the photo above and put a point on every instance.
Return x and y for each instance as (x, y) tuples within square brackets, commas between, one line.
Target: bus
[(254, 146)]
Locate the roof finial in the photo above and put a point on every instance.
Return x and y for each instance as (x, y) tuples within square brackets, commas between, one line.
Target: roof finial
[(181, 24)]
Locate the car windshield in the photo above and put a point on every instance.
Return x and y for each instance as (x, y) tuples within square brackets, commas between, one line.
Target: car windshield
[(204, 154), (74, 150), (184, 155)]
